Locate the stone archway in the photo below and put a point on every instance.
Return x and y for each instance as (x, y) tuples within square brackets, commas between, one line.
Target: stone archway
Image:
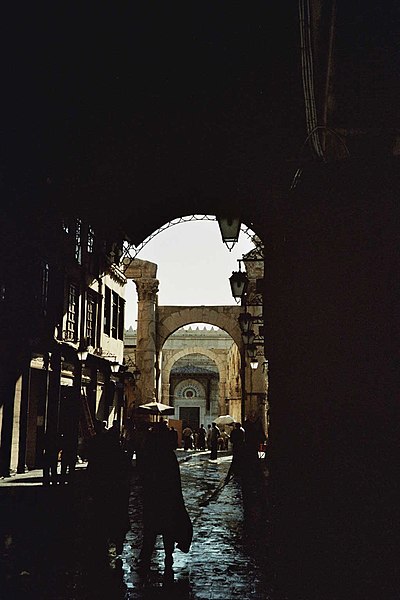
[(171, 318)]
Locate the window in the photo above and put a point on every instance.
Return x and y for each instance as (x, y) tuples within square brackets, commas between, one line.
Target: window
[(78, 241), (90, 240), (91, 319), (121, 319), (114, 314), (107, 310), (44, 291), (72, 312), (115, 311)]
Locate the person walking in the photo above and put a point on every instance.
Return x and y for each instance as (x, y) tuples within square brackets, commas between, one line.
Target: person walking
[(164, 511), (215, 434)]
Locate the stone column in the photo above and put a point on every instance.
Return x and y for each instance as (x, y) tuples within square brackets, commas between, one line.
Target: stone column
[(147, 288), (165, 399)]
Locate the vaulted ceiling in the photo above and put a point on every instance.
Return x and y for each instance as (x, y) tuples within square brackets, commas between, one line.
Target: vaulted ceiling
[(136, 113)]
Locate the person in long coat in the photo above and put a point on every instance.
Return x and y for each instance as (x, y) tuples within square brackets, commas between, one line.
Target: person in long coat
[(164, 511)]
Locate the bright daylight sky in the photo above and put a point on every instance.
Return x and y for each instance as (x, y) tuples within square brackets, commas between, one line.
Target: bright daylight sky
[(194, 266)]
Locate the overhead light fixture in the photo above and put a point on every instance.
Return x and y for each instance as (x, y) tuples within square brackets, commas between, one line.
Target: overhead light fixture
[(230, 229)]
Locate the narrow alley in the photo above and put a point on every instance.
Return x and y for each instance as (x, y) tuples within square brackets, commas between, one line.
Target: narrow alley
[(50, 550)]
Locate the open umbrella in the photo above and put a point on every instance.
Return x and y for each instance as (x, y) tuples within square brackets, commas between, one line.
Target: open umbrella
[(157, 408), (224, 420)]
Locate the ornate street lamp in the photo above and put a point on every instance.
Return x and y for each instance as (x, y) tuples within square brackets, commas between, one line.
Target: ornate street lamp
[(239, 283), (230, 229), (82, 354), (248, 337), (136, 373), (252, 351), (245, 321), (114, 366), (254, 363)]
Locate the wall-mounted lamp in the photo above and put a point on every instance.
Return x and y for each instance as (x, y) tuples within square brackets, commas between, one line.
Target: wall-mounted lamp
[(254, 363), (239, 283), (136, 373), (114, 366), (230, 229), (252, 351), (82, 354), (245, 321), (248, 337)]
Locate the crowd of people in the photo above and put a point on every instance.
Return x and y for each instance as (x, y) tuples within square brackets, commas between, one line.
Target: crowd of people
[(109, 454)]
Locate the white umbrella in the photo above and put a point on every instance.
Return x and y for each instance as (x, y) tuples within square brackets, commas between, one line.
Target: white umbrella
[(224, 420), (157, 408)]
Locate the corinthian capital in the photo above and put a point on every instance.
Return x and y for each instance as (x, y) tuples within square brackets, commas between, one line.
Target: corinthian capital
[(147, 289)]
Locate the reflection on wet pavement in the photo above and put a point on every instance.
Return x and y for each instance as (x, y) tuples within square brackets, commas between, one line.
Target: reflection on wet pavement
[(50, 545)]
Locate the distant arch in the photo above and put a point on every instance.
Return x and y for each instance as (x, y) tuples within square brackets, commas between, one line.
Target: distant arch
[(219, 360)]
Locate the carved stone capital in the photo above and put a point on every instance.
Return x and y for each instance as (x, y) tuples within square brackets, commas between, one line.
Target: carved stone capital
[(147, 289)]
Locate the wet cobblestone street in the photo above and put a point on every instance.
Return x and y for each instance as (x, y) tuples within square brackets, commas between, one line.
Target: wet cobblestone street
[(56, 555)]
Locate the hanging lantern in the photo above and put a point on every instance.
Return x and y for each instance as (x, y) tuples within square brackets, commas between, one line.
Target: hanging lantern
[(245, 321), (239, 283), (230, 229), (248, 337)]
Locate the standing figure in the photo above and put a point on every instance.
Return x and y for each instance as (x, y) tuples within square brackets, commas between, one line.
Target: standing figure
[(215, 434), (69, 458), (208, 438), (237, 439), (187, 435), (164, 511), (174, 437), (50, 458), (254, 436), (109, 473), (201, 438)]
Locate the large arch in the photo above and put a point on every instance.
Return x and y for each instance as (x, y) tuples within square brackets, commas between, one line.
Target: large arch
[(171, 318)]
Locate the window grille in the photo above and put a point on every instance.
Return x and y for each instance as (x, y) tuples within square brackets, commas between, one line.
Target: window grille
[(72, 312)]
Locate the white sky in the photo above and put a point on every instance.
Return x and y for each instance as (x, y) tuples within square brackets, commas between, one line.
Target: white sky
[(194, 266)]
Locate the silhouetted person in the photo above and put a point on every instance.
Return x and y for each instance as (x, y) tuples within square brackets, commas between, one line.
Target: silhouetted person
[(215, 434), (237, 439), (174, 437), (129, 437), (109, 471), (50, 458), (69, 458), (187, 435), (208, 437), (201, 438), (164, 511), (254, 436)]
